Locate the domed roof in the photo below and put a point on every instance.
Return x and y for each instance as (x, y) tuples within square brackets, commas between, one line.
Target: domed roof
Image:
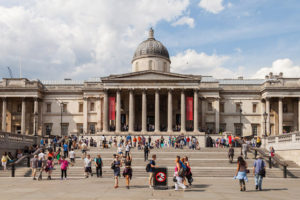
[(151, 48)]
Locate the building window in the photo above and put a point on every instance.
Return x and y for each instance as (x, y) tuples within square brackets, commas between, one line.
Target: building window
[(285, 108), (222, 109), (64, 129), (150, 64), (80, 107), (92, 106), (19, 108), (254, 129), (92, 129), (137, 66), (222, 127), (48, 128), (238, 107), (209, 106), (65, 107), (80, 128), (48, 107), (165, 66), (238, 129), (254, 106)]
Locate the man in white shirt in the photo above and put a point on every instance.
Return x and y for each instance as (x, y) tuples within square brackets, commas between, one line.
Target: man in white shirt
[(72, 155), (88, 166)]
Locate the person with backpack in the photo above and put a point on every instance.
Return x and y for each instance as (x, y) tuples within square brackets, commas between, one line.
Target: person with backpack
[(259, 171), (150, 169), (180, 172), (189, 175), (99, 165), (146, 152), (116, 165), (49, 167)]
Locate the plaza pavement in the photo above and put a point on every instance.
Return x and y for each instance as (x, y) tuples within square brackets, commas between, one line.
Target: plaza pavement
[(102, 188)]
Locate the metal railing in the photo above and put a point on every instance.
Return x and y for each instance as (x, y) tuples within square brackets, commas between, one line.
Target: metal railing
[(275, 160)]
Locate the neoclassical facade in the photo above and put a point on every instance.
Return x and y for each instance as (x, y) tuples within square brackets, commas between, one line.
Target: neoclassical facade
[(151, 100)]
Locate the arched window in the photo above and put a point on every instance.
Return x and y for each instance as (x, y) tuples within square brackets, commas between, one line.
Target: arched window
[(137, 66), (150, 64)]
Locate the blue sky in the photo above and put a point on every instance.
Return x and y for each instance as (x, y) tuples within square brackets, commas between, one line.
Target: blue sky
[(79, 39)]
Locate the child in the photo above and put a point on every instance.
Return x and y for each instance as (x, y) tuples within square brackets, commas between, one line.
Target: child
[(63, 166)]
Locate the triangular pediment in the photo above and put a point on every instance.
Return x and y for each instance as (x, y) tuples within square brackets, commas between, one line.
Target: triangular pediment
[(150, 75)]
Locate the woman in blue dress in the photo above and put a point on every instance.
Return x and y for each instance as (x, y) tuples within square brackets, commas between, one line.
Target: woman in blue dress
[(241, 172)]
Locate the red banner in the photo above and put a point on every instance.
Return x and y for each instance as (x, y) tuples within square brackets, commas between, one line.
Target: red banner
[(189, 108), (112, 108)]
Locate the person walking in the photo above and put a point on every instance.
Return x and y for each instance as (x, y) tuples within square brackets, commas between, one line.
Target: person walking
[(179, 174), (152, 167), (4, 160), (65, 146), (99, 165), (146, 152), (41, 164), (127, 173), (88, 166), (245, 149), (127, 148), (241, 173), (49, 167), (230, 153), (72, 156), (34, 166), (259, 171), (189, 175), (116, 165), (64, 164)]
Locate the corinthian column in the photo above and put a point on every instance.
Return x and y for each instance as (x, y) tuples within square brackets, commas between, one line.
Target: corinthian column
[(268, 117), (105, 111), (280, 113), (170, 111), (144, 111), (196, 111), (4, 114), (157, 129), (131, 111), (182, 108), (23, 117), (118, 112)]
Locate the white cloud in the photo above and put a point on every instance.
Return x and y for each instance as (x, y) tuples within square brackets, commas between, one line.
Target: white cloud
[(213, 6), (185, 20), (281, 65), (193, 62), (78, 39)]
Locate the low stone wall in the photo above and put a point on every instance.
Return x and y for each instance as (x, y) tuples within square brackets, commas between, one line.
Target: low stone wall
[(293, 155)]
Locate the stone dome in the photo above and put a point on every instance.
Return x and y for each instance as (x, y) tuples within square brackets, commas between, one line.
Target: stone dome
[(151, 48)]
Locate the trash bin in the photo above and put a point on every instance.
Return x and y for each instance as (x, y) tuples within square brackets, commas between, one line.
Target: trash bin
[(160, 179)]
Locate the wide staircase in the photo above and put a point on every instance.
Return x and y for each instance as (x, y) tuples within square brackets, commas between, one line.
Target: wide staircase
[(207, 162)]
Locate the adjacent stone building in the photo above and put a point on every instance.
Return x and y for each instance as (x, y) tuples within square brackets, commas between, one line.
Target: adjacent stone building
[(151, 100)]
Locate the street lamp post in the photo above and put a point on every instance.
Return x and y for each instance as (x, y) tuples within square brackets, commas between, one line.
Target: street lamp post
[(61, 115), (265, 118)]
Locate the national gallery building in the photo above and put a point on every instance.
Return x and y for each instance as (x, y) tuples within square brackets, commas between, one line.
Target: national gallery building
[(151, 100)]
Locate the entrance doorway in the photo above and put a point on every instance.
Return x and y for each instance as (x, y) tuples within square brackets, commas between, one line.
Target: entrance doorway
[(150, 123)]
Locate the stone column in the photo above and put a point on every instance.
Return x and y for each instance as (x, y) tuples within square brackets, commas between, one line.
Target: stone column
[(182, 108), (298, 114), (105, 111), (203, 112), (280, 116), (157, 128), (118, 112), (131, 111), (144, 111), (4, 105), (35, 115), (170, 111), (262, 121), (217, 113), (268, 117), (23, 117), (196, 127), (85, 115)]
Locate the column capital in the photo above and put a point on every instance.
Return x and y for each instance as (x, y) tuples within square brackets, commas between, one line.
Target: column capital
[(196, 89), (85, 98)]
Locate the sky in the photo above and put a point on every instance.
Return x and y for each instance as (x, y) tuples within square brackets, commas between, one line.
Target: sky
[(82, 39)]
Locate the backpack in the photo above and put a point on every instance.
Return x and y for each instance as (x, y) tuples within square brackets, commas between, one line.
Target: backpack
[(148, 167)]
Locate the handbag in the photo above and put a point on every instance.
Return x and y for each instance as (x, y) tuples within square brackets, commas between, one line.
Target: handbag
[(174, 179), (247, 171), (113, 165)]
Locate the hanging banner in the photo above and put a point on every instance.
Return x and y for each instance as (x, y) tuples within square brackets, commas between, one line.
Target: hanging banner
[(112, 108), (189, 108)]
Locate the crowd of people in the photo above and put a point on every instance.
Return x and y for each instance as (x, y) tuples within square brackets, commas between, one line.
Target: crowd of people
[(61, 153)]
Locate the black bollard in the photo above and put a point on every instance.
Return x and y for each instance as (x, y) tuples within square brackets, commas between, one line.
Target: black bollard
[(28, 161), (270, 162), (13, 168), (284, 172)]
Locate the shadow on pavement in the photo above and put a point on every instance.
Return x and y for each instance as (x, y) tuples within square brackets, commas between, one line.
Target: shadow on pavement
[(267, 190)]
